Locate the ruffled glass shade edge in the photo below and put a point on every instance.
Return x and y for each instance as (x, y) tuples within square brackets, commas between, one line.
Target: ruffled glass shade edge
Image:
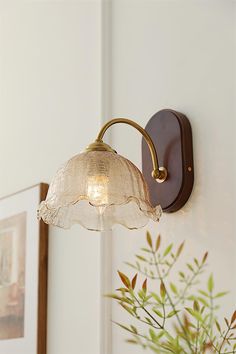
[(62, 215)]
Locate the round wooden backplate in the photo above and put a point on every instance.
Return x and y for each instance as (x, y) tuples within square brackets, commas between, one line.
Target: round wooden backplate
[(172, 136)]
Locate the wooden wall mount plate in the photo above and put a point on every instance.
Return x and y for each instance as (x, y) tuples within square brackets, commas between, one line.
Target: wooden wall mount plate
[(172, 136)]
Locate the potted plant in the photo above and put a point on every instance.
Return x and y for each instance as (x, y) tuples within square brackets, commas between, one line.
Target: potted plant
[(179, 317)]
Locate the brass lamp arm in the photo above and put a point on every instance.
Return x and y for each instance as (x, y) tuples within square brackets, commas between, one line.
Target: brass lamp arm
[(158, 173)]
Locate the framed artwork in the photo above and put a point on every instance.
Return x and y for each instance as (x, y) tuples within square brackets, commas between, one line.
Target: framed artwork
[(23, 273)]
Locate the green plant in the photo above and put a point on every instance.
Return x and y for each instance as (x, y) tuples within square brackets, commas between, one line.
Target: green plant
[(179, 318)]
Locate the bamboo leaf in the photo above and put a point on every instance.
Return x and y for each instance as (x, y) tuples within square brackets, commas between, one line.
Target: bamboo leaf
[(180, 249), (218, 326), (226, 321), (158, 243), (196, 306), (168, 249), (127, 308), (149, 239), (123, 327), (210, 284), (141, 258), (158, 313), (204, 258), (144, 249), (233, 318), (195, 314), (123, 290), (189, 310), (152, 334), (134, 329), (156, 297), (162, 290), (131, 341), (190, 267), (148, 320), (204, 293), (223, 293), (114, 296), (173, 288), (125, 280), (203, 301), (172, 313), (144, 286), (134, 280)]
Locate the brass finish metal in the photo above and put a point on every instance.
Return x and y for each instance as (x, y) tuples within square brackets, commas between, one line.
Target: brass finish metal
[(158, 173), (162, 175), (99, 146)]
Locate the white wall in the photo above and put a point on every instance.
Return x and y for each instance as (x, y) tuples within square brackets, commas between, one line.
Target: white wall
[(57, 80), (180, 55), (50, 109)]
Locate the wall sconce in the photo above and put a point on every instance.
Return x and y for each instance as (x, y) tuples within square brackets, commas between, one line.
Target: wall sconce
[(99, 188)]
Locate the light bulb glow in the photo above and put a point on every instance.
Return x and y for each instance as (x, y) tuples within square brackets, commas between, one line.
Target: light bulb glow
[(97, 189)]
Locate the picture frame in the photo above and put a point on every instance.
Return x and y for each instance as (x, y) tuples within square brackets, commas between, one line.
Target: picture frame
[(23, 273)]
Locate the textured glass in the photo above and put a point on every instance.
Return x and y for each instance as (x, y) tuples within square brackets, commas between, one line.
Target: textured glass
[(98, 189)]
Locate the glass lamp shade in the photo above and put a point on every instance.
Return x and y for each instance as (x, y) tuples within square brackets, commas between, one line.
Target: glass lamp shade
[(98, 189)]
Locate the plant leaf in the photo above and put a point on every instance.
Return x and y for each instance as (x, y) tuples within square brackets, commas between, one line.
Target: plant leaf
[(162, 290), (180, 249), (124, 327), (127, 308), (125, 280), (144, 286), (141, 258), (233, 318), (210, 284), (172, 313), (134, 329), (218, 326), (168, 249), (173, 288), (134, 280), (156, 297), (190, 267), (196, 306), (204, 258), (158, 313), (158, 243), (223, 293), (149, 239), (226, 321), (204, 293)]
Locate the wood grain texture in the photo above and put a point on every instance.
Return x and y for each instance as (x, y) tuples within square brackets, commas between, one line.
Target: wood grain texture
[(172, 136), (43, 278)]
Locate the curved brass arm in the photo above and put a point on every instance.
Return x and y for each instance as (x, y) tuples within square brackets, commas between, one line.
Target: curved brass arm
[(158, 173)]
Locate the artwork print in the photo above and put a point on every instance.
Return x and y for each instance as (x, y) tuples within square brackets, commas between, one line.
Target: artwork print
[(23, 273), (12, 276)]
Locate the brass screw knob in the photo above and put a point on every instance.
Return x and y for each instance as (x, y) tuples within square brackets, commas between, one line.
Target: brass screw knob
[(160, 175)]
